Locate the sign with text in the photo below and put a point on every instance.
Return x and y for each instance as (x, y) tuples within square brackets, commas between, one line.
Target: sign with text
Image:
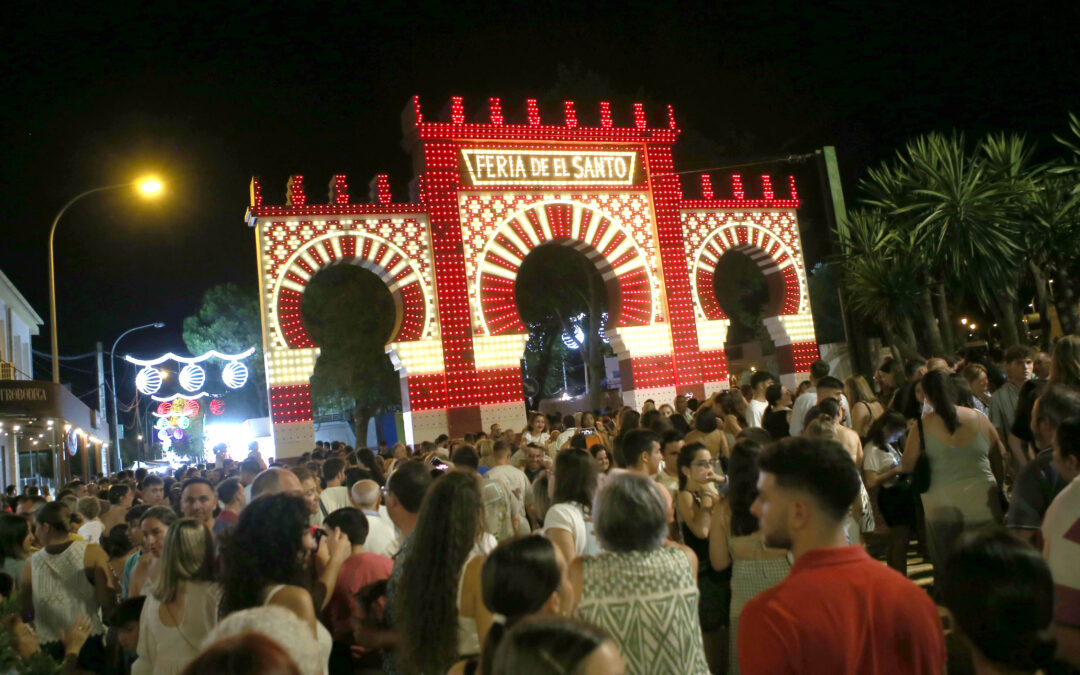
[(506, 166)]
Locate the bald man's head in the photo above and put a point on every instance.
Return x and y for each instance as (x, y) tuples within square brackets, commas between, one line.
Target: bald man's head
[(365, 494), (273, 481)]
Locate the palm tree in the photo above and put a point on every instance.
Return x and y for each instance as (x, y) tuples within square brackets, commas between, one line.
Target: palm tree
[(890, 189), (1052, 212), (879, 278)]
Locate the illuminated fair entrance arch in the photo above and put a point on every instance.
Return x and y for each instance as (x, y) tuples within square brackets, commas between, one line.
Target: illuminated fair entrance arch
[(486, 194)]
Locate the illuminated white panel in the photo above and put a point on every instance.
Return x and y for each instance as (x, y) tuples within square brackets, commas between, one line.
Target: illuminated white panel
[(786, 330), (712, 334), (498, 351), (417, 358), (640, 341), (290, 366)]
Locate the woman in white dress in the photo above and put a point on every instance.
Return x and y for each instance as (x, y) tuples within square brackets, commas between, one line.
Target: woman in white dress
[(267, 561), (181, 605)]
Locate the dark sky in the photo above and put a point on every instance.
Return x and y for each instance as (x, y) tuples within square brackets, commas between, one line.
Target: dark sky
[(210, 96)]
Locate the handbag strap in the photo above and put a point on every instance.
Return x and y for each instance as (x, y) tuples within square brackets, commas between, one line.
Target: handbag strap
[(922, 439)]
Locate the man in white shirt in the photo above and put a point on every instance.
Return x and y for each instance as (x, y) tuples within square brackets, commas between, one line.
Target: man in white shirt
[(382, 535), (1061, 542), (759, 382), (809, 398), (249, 469), (335, 496), (511, 478)]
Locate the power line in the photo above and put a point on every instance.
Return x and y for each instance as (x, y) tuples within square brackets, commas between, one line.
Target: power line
[(774, 160), (48, 355)]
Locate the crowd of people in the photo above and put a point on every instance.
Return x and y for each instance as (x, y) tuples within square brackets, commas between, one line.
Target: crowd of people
[(758, 530)]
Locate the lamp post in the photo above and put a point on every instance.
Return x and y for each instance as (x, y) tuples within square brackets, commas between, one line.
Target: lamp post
[(149, 187), (112, 369)]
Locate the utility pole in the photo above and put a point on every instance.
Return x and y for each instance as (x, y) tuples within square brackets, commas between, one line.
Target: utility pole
[(836, 214), (103, 460)]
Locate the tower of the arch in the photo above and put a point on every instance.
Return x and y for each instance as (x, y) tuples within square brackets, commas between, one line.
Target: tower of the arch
[(489, 193)]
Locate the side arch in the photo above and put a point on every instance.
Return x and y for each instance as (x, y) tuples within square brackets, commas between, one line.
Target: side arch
[(777, 261)]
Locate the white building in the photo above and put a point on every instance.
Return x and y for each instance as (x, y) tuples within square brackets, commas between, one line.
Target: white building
[(18, 322)]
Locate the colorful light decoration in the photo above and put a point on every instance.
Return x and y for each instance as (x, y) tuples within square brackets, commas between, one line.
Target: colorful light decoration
[(489, 193), (234, 375), (148, 381), (192, 377), (174, 417), (217, 406)]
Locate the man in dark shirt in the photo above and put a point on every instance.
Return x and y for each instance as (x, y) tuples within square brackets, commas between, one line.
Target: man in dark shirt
[(1039, 482)]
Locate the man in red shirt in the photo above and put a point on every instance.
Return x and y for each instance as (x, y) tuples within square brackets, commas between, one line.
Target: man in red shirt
[(359, 570), (839, 611)]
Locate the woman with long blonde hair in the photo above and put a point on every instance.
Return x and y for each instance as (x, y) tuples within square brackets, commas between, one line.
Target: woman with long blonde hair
[(181, 606), (865, 407)]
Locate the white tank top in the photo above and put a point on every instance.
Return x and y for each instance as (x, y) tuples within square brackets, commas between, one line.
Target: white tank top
[(322, 636), (62, 592)]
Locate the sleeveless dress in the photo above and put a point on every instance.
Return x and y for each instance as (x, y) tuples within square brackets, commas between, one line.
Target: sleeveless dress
[(648, 602), (322, 636), (62, 592), (963, 494), (468, 636), (749, 576), (714, 585)]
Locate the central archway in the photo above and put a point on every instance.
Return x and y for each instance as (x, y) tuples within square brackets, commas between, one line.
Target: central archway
[(565, 304), (604, 241)]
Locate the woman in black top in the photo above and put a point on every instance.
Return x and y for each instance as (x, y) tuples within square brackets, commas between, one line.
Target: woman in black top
[(778, 416)]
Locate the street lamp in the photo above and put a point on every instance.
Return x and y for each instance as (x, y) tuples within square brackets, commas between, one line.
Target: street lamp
[(148, 187), (112, 369)]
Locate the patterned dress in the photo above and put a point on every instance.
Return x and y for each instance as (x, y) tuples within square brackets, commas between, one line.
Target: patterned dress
[(648, 602), (748, 578)]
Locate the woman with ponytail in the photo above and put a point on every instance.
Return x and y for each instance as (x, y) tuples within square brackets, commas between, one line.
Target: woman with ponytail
[(522, 576), (965, 457)]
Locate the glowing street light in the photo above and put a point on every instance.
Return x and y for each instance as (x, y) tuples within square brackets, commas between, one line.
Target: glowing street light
[(150, 186), (147, 187), (963, 321)]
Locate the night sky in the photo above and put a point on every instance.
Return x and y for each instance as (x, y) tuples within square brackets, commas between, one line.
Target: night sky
[(209, 96)]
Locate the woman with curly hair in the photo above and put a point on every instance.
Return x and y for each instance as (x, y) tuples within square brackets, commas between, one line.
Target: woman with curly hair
[(266, 562), (438, 604)]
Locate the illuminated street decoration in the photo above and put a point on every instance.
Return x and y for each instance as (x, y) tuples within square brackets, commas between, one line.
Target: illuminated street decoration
[(234, 374), (217, 406), (148, 381), (174, 418), (192, 377), (174, 397), (213, 353), (486, 194)]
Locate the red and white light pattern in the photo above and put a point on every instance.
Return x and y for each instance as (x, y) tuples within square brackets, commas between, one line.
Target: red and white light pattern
[(769, 238), (451, 259), (396, 249), (614, 230)]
